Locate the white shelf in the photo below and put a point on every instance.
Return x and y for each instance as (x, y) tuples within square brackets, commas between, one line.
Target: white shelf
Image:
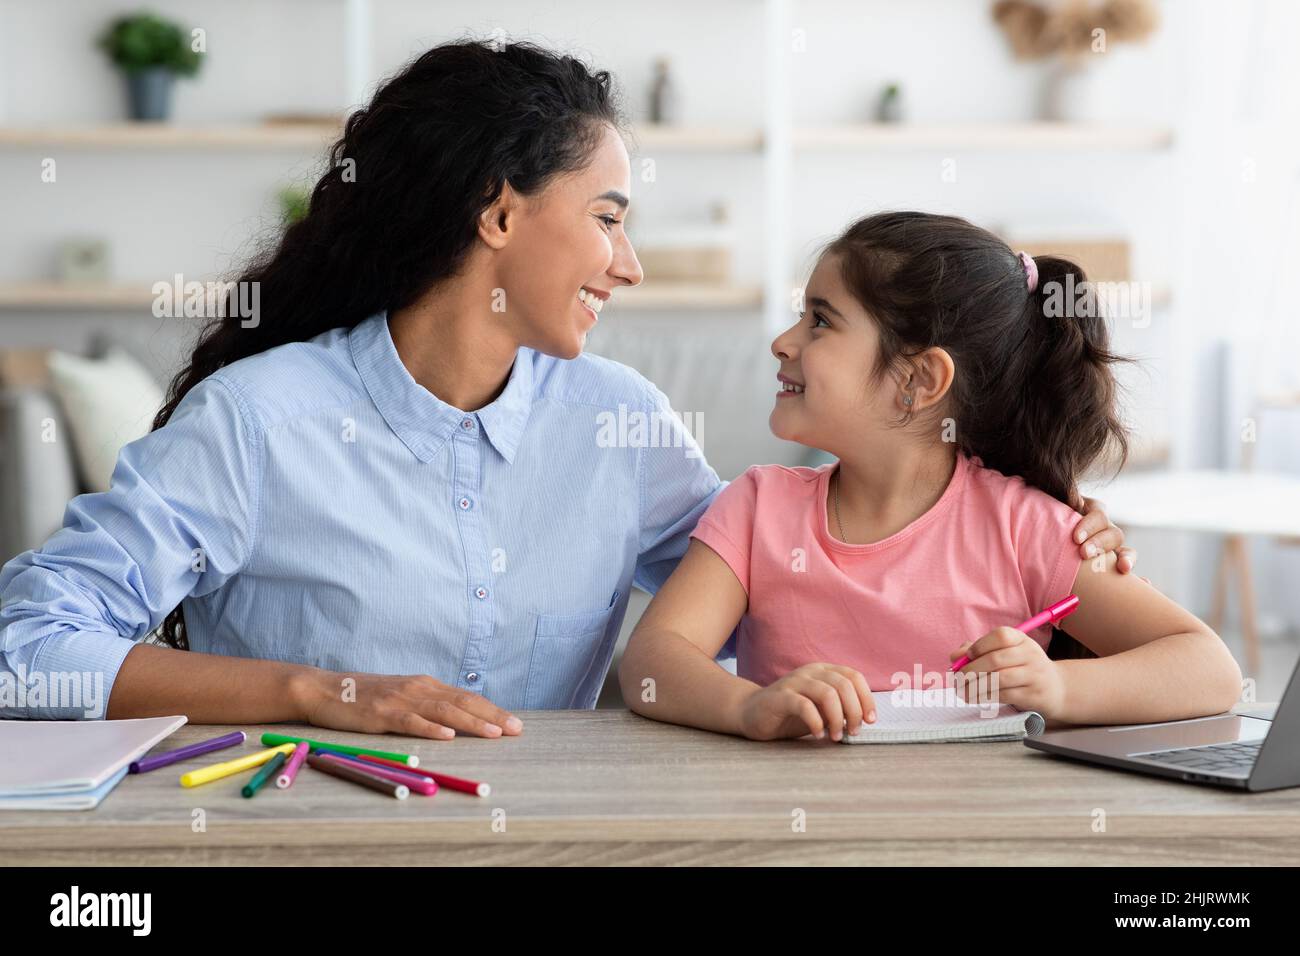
[(983, 136)]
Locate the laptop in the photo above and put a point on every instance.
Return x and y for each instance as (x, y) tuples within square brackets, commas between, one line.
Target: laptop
[(1229, 750)]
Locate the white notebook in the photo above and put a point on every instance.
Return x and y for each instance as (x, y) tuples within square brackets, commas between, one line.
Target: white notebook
[(71, 764), (938, 715)]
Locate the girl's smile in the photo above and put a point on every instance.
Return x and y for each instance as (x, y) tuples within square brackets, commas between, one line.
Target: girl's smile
[(789, 386)]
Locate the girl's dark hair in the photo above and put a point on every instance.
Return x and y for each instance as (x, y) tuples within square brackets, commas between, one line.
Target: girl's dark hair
[(1034, 394), (397, 211)]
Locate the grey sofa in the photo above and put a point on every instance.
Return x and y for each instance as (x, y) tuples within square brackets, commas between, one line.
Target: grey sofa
[(37, 477)]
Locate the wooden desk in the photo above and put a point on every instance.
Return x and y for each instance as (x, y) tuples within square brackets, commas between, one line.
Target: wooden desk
[(609, 787)]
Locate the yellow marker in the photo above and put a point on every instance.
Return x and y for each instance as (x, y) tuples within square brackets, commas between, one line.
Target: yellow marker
[(219, 770)]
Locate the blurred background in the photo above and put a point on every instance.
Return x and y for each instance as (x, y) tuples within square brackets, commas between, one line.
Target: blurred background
[(1156, 142)]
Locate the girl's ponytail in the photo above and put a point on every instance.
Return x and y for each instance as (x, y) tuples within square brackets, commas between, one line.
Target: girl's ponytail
[(1061, 391)]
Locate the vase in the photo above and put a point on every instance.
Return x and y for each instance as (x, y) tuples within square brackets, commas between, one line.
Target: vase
[(149, 93), (1070, 93)]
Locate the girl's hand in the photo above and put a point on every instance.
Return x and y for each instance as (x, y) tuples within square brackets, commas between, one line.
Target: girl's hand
[(811, 699), (417, 706), (1096, 535), (1026, 677)]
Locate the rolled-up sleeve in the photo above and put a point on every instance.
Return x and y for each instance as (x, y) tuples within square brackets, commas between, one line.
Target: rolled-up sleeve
[(179, 519)]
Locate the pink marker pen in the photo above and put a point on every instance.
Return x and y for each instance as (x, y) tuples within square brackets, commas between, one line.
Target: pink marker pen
[(1063, 607)]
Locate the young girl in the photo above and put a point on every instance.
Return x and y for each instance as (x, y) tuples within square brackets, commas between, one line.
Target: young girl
[(934, 363)]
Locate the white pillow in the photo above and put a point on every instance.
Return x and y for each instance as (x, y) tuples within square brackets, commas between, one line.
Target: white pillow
[(108, 403)]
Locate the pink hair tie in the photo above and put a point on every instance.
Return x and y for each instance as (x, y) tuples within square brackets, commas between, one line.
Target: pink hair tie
[(1031, 270)]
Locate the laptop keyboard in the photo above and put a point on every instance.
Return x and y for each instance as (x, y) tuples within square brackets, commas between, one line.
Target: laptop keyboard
[(1215, 758)]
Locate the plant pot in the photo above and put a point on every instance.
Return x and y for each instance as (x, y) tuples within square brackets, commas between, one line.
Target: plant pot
[(149, 93)]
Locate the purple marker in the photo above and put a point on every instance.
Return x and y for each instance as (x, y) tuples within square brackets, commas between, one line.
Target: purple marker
[(145, 764)]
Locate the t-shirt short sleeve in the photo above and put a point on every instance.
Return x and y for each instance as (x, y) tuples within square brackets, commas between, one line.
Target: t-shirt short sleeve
[(1047, 555), (728, 526)]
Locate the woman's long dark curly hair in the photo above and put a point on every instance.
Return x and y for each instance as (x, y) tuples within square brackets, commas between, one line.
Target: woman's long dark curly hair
[(397, 211)]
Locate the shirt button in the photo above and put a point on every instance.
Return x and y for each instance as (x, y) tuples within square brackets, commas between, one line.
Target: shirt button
[(480, 593), (464, 504), (471, 677), (467, 423)]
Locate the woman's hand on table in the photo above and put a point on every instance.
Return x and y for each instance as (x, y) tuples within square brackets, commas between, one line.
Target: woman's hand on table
[(415, 705)]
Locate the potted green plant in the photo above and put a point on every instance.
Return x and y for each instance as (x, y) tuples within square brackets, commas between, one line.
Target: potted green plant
[(152, 52)]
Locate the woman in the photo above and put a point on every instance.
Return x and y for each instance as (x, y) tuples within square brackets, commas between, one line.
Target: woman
[(395, 469)]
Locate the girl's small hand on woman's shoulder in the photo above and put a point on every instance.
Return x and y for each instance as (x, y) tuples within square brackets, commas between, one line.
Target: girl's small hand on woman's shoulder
[(813, 699)]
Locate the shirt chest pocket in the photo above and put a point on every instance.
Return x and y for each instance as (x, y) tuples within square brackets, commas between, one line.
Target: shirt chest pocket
[(564, 648)]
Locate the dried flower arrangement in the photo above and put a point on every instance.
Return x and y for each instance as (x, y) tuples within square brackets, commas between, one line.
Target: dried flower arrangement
[(1068, 29)]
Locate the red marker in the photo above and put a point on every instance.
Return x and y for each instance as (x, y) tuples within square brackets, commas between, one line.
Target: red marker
[(1063, 607)]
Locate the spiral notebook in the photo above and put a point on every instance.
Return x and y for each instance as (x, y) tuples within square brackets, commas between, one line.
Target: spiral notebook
[(939, 716)]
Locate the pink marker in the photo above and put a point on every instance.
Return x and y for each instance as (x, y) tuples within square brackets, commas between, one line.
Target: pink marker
[(1063, 607), (296, 759)]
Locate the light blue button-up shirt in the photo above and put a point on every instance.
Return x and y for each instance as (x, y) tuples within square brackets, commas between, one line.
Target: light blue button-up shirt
[(315, 504)]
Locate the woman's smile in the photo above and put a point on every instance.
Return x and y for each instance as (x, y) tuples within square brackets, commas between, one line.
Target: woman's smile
[(592, 300)]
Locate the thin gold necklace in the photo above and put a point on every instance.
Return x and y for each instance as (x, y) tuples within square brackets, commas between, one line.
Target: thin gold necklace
[(835, 490)]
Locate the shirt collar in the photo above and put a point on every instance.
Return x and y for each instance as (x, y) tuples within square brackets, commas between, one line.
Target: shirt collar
[(418, 417)]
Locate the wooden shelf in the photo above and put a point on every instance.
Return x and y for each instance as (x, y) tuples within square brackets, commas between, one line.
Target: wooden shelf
[(172, 136), (138, 296), (983, 136), (990, 136), (668, 296), (649, 136), (45, 296), (680, 296), (312, 135)]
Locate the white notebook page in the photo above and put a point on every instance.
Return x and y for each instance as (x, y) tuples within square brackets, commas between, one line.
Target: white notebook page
[(939, 716)]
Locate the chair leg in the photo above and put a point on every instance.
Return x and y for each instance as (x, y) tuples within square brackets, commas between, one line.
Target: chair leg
[(1246, 592), (1221, 575), (1236, 556)]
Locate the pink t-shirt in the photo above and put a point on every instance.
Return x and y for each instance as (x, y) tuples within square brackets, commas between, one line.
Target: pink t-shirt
[(992, 551)]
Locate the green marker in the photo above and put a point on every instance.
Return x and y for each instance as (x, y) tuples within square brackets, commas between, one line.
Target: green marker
[(274, 740), (269, 770)]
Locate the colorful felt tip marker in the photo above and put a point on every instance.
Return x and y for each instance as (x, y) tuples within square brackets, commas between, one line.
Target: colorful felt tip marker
[(346, 770), (219, 770), (1067, 605), (269, 770), (291, 768), (415, 783), (270, 740), (145, 764), (442, 779)]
